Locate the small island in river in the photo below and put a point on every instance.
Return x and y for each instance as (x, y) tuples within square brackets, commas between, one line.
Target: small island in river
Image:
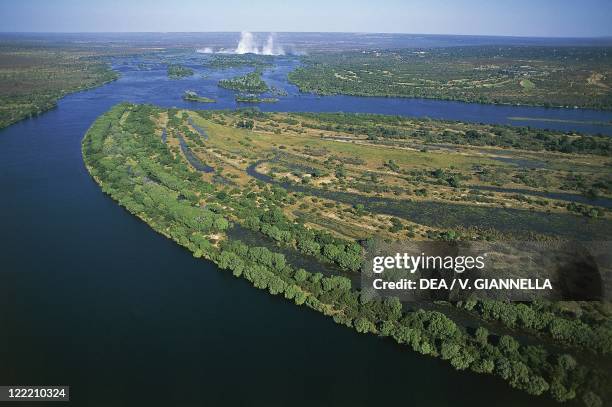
[(192, 96)]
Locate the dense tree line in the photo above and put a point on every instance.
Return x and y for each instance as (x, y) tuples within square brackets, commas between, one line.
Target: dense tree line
[(518, 75), (176, 71), (132, 165), (400, 128), (239, 61), (249, 83), (539, 317), (33, 79), (274, 224)]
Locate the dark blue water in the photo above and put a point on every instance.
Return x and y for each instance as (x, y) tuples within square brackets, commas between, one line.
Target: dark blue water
[(205, 84), (91, 297)]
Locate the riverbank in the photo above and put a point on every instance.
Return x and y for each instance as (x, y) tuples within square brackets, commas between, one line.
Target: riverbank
[(27, 90), (131, 284), (332, 296)]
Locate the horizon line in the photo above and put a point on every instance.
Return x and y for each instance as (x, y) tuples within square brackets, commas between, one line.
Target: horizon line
[(608, 36)]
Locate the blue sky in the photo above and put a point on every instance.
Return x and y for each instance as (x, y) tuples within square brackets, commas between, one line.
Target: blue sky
[(548, 18)]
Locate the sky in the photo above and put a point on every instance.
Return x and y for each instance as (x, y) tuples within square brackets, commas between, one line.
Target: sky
[(541, 18)]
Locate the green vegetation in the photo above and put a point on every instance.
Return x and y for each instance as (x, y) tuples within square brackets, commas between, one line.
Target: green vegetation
[(397, 128), (198, 209), (194, 97), (545, 119), (278, 91), (238, 61), (249, 83), (33, 79), (543, 76), (176, 71), (254, 99), (582, 327)]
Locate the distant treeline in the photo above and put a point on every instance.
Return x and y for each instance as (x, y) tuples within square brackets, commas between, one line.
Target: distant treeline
[(33, 79), (536, 75), (395, 127)]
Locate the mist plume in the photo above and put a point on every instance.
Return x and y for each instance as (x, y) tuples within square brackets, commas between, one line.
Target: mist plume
[(248, 45)]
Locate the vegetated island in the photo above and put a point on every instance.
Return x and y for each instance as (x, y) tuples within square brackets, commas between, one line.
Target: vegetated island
[(249, 83), (528, 75), (176, 71), (238, 61), (192, 96), (278, 91), (255, 99), (281, 188), (32, 79)]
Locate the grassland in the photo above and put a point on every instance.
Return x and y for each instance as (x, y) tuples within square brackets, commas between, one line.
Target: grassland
[(542, 76), (254, 191), (33, 79), (505, 185)]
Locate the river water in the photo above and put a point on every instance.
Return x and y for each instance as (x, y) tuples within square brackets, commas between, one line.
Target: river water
[(91, 297)]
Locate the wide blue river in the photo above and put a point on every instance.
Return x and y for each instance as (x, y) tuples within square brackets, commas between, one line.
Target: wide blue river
[(91, 297)]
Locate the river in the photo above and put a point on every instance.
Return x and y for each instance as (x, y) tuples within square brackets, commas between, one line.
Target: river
[(91, 297)]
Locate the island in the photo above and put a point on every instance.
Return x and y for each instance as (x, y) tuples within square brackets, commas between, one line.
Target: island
[(286, 200), (192, 96), (227, 61), (249, 83), (176, 71)]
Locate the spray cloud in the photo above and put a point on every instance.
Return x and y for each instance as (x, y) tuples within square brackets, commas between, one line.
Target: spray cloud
[(247, 45)]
